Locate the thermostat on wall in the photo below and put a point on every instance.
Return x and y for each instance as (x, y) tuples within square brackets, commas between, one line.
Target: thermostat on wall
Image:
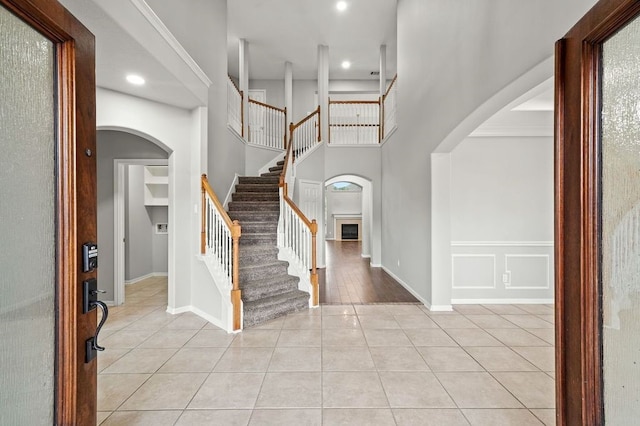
[(162, 228)]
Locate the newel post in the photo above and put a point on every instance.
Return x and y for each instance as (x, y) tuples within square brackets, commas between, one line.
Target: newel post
[(314, 273), (236, 231), (284, 142), (203, 232)]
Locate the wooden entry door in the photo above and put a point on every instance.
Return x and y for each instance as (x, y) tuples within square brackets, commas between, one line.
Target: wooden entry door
[(598, 217), (47, 211)]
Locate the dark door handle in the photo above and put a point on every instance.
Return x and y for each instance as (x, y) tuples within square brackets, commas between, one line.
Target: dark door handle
[(105, 314), (90, 301)]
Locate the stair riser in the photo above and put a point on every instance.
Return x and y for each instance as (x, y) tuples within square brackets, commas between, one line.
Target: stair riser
[(256, 196), (256, 315), (276, 169), (259, 239), (259, 227), (270, 174), (258, 180), (252, 274), (267, 206), (257, 259), (254, 187), (263, 216), (253, 293)]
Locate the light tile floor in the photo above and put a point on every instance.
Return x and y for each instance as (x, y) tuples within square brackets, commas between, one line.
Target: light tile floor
[(335, 365)]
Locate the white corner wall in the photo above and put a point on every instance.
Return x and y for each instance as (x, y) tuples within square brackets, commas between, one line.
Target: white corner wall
[(183, 134), (469, 51), (502, 220)]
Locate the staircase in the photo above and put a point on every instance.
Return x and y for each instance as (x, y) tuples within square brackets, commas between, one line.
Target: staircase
[(267, 290)]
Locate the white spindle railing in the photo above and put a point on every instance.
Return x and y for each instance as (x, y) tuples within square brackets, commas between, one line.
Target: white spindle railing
[(267, 125), (234, 107), (296, 233), (389, 106), (220, 243), (305, 134), (354, 122)]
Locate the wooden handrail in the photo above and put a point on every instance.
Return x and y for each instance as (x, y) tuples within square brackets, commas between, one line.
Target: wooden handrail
[(354, 102), (298, 212), (206, 187), (307, 118), (234, 84), (389, 88), (283, 110), (236, 232), (353, 125)]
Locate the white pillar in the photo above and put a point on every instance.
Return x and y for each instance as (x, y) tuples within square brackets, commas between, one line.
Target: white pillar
[(323, 90), (288, 91), (383, 69), (244, 83), (441, 279)]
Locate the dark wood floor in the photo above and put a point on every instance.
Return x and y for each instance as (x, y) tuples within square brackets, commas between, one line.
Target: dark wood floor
[(348, 278)]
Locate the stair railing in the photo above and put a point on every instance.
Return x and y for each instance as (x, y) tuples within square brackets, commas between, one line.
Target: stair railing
[(305, 134), (354, 122), (220, 241), (267, 125), (296, 233), (389, 106), (235, 107)]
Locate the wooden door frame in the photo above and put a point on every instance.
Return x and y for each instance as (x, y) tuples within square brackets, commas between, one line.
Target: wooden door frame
[(75, 381), (579, 390)]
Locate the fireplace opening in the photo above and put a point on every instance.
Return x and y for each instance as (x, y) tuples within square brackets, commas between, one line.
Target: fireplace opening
[(349, 231)]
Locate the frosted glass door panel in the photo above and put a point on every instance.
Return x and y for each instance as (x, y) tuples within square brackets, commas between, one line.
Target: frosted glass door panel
[(621, 225), (27, 224)]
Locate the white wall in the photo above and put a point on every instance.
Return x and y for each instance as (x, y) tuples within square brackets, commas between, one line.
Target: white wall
[(469, 51), (502, 219), (201, 28), (109, 146), (159, 242), (183, 134), (146, 252), (274, 90), (138, 227)]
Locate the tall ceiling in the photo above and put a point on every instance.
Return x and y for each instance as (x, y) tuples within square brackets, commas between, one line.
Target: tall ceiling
[(290, 30), (277, 31)]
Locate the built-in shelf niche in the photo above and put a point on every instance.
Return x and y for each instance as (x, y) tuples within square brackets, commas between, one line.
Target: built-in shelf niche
[(156, 185)]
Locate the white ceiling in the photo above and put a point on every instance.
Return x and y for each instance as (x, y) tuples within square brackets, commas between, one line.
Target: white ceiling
[(290, 30), (277, 31)]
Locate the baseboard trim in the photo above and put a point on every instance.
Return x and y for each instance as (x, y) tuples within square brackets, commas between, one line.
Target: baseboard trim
[(144, 277), (365, 256), (406, 287), (213, 320), (502, 301)]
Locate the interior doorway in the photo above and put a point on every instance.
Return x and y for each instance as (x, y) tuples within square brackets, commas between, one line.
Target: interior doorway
[(117, 151), (141, 218)]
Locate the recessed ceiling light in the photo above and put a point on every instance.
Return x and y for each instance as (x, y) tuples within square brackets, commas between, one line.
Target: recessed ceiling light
[(135, 79), (341, 6), (346, 65)]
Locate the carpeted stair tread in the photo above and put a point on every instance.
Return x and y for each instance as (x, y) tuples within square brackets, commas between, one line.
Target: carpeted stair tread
[(253, 216), (257, 253), (254, 206), (254, 272), (258, 180), (259, 227), (268, 291), (254, 290), (265, 309), (257, 187), (255, 196)]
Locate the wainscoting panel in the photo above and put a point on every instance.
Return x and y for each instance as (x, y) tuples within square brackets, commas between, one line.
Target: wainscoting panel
[(502, 271), (473, 271), (527, 271)]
